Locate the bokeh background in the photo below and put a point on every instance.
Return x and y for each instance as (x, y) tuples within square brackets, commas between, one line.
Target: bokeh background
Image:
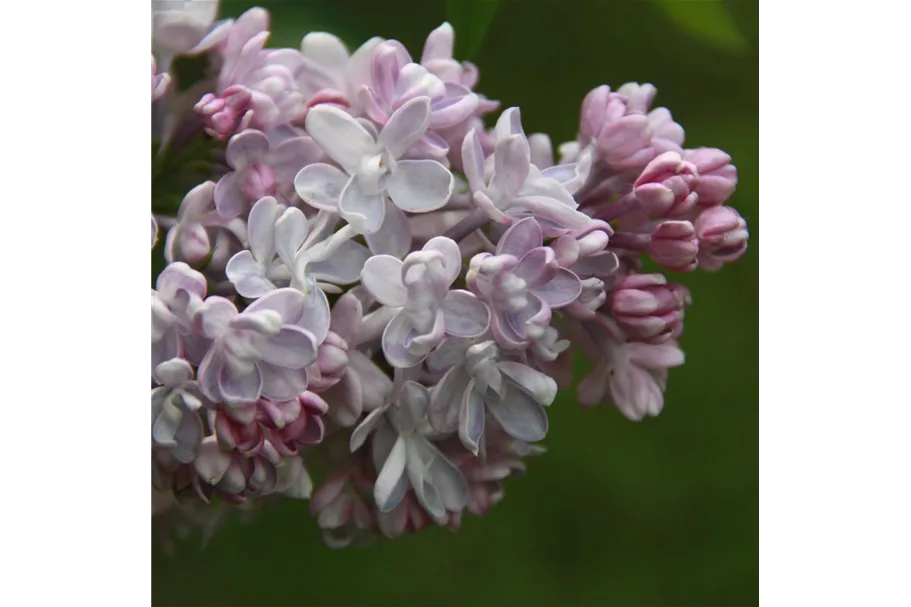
[(662, 512)]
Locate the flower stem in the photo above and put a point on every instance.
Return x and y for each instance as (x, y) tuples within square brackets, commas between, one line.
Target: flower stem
[(472, 222)]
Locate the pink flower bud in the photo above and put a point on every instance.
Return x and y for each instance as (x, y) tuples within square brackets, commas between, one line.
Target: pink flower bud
[(639, 97), (227, 114), (258, 181), (674, 245), (331, 363), (648, 308), (622, 136), (717, 176), (666, 186), (722, 235)]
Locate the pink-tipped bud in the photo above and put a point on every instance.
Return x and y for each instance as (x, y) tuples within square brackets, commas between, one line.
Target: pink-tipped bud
[(717, 176), (722, 235), (674, 245), (227, 114), (258, 181), (648, 308), (667, 186)]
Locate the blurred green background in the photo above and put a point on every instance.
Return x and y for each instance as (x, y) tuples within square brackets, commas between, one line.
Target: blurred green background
[(662, 512)]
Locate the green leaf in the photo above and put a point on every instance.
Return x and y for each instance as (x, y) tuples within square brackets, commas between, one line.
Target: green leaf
[(470, 19), (708, 20)]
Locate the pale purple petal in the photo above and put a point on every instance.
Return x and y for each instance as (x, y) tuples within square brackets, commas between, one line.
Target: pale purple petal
[(394, 236), (289, 156), (655, 356), (174, 372), (245, 148), (406, 125), (291, 229), (289, 303), (419, 186), (229, 200), (511, 165), (509, 123), (281, 383), (214, 316), (248, 276), (519, 414), (363, 430), (320, 185), (261, 228), (211, 462), (537, 267), (471, 420), (382, 277), (520, 238), (342, 267), (452, 256), (316, 315), (440, 474), (563, 289), (535, 383), (397, 336), (292, 347), (389, 489), (473, 160), (340, 136), (446, 400), (238, 385), (464, 314), (209, 372), (365, 212)]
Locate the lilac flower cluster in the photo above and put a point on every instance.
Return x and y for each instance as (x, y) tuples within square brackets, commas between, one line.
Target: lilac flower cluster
[(371, 280)]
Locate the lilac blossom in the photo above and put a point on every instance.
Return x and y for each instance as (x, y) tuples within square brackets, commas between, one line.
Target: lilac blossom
[(482, 381), (516, 188), (373, 166), (416, 392), (396, 79), (405, 458), (262, 165), (176, 425), (419, 286), (261, 352), (522, 283)]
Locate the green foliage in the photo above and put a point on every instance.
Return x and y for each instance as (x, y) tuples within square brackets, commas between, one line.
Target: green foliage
[(471, 19), (707, 20)]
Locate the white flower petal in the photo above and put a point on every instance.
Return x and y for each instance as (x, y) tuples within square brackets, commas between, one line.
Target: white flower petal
[(342, 267), (520, 415), (406, 126), (247, 275), (245, 148), (340, 136), (419, 186), (291, 230), (390, 488), (364, 212), (261, 228), (465, 315), (320, 185), (394, 236), (382, 277)]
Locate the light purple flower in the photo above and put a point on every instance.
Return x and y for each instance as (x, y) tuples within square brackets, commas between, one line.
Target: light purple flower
[(284, 251), (261, 352), (632, 375), (330, 365), (419, 285), (517, 189), (667, 186), (722, 235), (584, 252), (480, 382), (232, 475), (262, 165), (328, 74), (178, 294), (176, 426), (621, 136), (198, 224), (372, 167), (521, 283), (364, 386), (437, 58), (396, 79), (185, 27), (405, 458)]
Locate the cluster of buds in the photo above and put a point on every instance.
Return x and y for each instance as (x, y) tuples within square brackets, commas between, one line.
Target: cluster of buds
[(370, 277)]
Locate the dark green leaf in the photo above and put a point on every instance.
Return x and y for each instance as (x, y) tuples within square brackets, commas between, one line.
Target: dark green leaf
[(708, 20), (471, 20)]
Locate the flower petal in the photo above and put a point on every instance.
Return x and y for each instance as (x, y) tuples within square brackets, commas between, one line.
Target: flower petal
[(344, 266), (245, 148), (464, 314), (174, 372), (397, 338), (406, 125), (292, 347), (446, 400), (229, 200), (261, 228), (535, 383), (238, 385), (520, 238), (340, 136), (281, 383), (320, 185), (365, 212), (473, 161), (471, 420), (291, 229), (394, 236), (391, 483), (247, 275), (419, 186), (452, 256), (289, 303), (563, 289), (382, 277), (519, 414), (363, 430), (316, 315), (511, 165)]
